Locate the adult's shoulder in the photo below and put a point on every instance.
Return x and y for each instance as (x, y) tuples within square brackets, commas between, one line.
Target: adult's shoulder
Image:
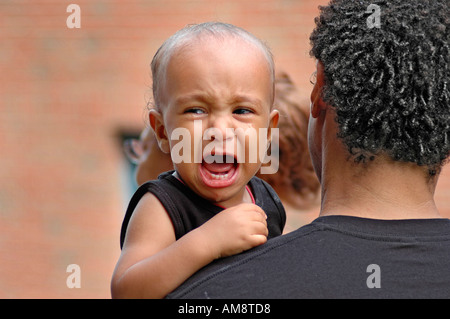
[(252, 274)]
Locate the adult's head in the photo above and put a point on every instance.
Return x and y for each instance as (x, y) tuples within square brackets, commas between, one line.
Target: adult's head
[(388, 82)]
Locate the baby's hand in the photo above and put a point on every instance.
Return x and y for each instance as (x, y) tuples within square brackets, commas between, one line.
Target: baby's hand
[(236, 229)]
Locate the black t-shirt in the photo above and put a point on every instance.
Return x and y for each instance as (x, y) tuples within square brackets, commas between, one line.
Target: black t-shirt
[(336, 257), (188, 210)]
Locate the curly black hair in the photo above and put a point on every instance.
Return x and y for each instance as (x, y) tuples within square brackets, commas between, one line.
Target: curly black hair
[(389, 83)]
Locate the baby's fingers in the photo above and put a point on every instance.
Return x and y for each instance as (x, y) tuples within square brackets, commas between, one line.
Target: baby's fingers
[(261, 217), (260, 211), (257, 240), (260, 228)]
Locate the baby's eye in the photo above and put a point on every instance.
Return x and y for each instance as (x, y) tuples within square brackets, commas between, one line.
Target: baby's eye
[(195, 111), (242, 110)]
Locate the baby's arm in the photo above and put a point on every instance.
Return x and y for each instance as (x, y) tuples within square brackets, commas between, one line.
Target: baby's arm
[(153, 263)]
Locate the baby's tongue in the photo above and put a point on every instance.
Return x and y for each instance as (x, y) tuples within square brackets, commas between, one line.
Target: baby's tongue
[(218, 167), (219, 175)]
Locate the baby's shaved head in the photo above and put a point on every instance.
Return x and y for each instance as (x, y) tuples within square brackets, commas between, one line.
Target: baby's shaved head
[(198, 32)]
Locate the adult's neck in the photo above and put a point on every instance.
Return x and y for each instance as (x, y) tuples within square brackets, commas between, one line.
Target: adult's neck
[(379, 189)]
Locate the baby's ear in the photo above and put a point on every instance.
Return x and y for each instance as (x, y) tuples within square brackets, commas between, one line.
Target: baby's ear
[(273, 123), (157, 124)]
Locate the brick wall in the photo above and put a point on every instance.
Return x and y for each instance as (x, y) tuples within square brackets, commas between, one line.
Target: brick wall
[(64, 95)]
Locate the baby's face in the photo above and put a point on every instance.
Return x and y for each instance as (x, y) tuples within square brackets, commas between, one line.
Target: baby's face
[(218, 90)]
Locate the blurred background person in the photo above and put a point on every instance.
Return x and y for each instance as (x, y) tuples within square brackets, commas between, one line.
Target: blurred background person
[(146, 155)]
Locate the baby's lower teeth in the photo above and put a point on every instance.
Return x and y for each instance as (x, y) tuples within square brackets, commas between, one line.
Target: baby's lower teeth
[(221, 176)]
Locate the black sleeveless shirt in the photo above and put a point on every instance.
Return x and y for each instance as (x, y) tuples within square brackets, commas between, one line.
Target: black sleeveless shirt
[(187, 210)]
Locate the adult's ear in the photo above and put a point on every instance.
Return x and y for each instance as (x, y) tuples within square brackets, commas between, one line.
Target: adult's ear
[(157, 124), (317, 103)]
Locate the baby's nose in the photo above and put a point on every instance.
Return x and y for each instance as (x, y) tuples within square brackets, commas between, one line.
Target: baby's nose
[(220, 129)]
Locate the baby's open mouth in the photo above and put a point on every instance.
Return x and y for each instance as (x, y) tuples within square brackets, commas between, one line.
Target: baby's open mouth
[(219, 170)]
